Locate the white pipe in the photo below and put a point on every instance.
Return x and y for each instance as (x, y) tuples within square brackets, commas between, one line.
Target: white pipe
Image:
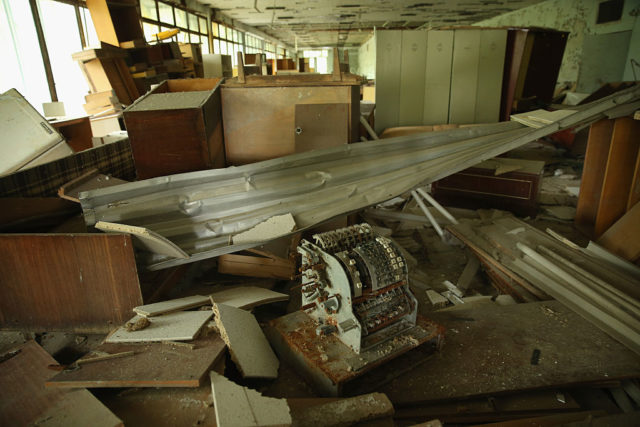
[(437, 205), (430, 217)]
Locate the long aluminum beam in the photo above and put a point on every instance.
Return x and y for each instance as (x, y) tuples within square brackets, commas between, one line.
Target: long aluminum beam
[(201, 211)]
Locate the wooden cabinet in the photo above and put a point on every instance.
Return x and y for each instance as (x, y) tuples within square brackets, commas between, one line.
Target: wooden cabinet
[(116, 21), (177, 127), (274, 116), (217, 65)]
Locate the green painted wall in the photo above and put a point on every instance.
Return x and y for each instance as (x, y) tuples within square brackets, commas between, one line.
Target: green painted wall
[(367, 59), (579, 18)]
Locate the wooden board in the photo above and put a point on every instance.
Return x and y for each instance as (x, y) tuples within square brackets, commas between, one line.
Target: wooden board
[(256, 266), (438, 77), (24, 399), (247, 344), (623, 237), (595, 163), (388, 60), (164, 307), (152, 365), (247, 297), (311, 126), (180, 326), (77, 132), (412, 81), (490, 69), (618, 174), (464, 76), (90, 180), (72, 282), (482, 336)]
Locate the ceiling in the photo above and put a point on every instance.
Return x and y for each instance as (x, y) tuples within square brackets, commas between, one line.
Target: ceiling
[(316, 23)]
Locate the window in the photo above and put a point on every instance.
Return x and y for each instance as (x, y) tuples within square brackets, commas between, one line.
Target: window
[(166, 13), (22, 66), (90, 35), (149, 30), (193, 22), (61, 33), (148, 9), (181, 18)]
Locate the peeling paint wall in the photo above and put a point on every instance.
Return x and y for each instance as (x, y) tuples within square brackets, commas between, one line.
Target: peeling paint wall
[(576, 16), (367, 58)]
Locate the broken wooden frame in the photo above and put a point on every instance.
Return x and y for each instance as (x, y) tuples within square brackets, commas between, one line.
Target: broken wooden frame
[(201, 211)]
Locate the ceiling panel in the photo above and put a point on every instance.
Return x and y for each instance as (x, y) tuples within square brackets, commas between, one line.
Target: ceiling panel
[(315, 23)]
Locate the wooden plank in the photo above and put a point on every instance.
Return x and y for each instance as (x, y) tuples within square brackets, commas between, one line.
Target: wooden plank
[(634, 192), (247, 344), (256, 266), (623, 237), (618, 174), (148, 239), (25, 401), (412, 81), (152, 365), (180, 326), (507, 335), (464, 76), (74, 282), (438, 77), (311, 130), (595, 163), (349, 411), (490, 69), (388, 60)]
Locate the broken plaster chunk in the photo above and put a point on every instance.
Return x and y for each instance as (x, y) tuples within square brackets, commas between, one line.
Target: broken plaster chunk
[(272, 228), (344, 412), (240, 406), (139, 324), (248, 346)]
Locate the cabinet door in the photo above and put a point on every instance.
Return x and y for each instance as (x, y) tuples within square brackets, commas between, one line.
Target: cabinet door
[(320, 126)]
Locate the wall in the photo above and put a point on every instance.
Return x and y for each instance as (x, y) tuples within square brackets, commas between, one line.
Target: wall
[(367, 59), (579, 18)]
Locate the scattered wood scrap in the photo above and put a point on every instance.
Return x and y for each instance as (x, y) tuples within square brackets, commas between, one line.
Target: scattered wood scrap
[(247, 344), (240, 406), (344, 412), (181, 326), (25, 401), (258, 265), (152, 365), (608, 298)]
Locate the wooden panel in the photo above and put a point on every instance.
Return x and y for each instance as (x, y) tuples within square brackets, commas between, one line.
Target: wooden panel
[(116, 21), (414, 56), (634, 193), (490, 70), (312, 132), (170, 140), (256, 266), (152, 365), (24, 399), (438, 77), (77, 132), (259, 122), (78, 282), (388, 57), (623, 237), (618, 174), (464, 76), (595, 163)]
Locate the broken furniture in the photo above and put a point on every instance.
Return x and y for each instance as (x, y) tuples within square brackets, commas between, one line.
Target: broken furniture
[(273, 116), (117, 22), (76, 130), (357, 310), (610, 184), (27, 138), (105, 70), (313, 186), (501, 183), (179, 119), (217, 65)]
